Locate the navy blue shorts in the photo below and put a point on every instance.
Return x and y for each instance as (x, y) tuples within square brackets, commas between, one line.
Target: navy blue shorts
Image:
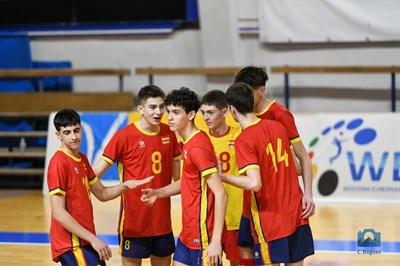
[(82, 256), (290, 249), (144, 247), (192, 257), (245, 238)]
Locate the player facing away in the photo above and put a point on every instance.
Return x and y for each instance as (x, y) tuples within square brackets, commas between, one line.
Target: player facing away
[(144, 148), (269, 109), (214, 109), (280, 232), (71, 181), (203, 196)]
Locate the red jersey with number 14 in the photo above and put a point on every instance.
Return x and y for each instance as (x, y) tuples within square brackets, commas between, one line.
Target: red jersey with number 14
[(276, 208)]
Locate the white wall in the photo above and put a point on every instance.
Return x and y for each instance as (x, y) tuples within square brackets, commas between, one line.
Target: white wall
[(219, 43)]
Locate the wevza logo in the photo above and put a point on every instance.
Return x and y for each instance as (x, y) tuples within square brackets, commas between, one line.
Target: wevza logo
[(343, 133)]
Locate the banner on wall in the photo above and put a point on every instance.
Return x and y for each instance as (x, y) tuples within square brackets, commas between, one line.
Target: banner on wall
[(355, 157)]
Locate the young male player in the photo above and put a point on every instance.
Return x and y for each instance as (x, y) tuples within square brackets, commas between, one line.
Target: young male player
[(269, 109), (71, 181), (214, 110), (280, 232), (144, 148), (203, 196)]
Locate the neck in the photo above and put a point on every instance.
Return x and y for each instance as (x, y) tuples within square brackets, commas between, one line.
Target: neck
[(146, 126), (187, 131), (74, 153), (262, 104), (220, 130), (246, 119)]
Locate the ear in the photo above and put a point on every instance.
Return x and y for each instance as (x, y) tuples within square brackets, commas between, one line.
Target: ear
[(140, 109), (58, 135), (192, 115), (262, 90), (224, 112)]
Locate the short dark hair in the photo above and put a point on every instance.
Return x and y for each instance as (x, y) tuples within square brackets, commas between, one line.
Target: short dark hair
[(185, 98), (150, 91), (240, 96), (215, 98), (254, 76), (66, 117)]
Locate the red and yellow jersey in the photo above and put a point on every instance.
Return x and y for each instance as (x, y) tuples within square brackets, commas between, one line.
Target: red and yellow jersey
[(276, 208), (70, 177), (224, 147), (278, 112), (141, 154), (198, 161)]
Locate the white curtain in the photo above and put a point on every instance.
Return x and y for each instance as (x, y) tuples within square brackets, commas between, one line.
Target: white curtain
[(305, 21)]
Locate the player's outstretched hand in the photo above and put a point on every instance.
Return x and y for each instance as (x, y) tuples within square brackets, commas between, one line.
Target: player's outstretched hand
[(308, 207), (214, 254), (132, 184), (149, 196), (102, 248)]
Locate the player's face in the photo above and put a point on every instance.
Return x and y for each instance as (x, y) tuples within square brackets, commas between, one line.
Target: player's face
[(71, 138), (152, 110), (213, 116), (177, 118)]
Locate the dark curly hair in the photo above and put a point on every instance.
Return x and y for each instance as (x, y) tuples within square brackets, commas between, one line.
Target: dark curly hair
[(185, 98)]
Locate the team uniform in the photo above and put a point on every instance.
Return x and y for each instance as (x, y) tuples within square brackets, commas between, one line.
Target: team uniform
[(224, 147), (198, 161), (140, 154), (71, 177), (278, 112), (276, 223)]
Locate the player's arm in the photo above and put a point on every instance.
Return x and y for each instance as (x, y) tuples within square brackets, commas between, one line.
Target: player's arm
[(214, 250), (305, 162), (176, 170), (103, 193), (101, 167), (62, 216), (297, 164), (151, 195), (252, 180)]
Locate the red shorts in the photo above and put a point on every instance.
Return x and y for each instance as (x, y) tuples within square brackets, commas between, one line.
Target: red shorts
[(231, 248)]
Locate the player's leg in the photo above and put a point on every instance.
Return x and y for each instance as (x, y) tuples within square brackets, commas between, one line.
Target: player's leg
[(162, 247), (130, 261), (245, 243)]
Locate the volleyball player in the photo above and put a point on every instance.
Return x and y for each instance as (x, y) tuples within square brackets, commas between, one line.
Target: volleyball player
[(214, 110), (71, 181), (203, 195), (144, 148), (281, 233)]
